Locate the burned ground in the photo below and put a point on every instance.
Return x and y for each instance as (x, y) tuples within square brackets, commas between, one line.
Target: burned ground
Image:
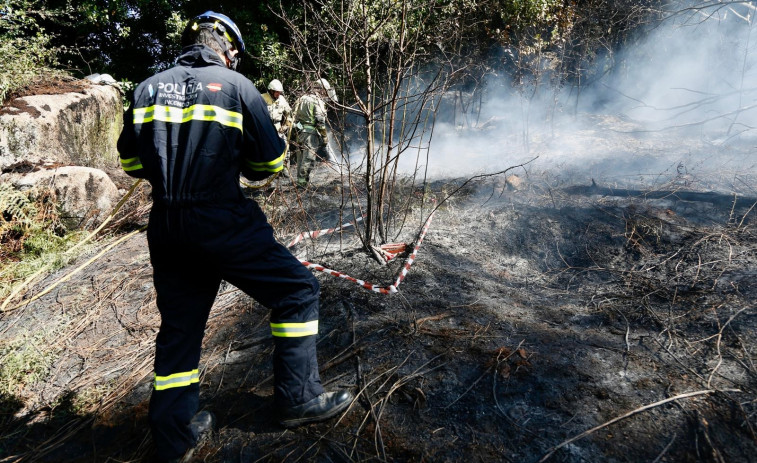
[(529, 317)]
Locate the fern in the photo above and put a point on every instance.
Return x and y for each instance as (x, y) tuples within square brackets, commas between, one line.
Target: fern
[(16, 208), (31, 235)]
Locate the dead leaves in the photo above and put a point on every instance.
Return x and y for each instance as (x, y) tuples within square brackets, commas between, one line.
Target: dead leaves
[(505, 361)]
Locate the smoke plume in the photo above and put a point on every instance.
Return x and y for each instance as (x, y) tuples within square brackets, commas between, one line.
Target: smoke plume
[(679, 104)]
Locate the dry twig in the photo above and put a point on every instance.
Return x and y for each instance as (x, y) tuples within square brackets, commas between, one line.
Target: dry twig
[(626, 415)]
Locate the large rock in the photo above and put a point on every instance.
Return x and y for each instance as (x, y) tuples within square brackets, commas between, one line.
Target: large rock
[(86, 195), (78, 128)]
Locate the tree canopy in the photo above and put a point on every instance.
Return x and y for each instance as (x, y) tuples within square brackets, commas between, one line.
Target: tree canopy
[(131, 39)]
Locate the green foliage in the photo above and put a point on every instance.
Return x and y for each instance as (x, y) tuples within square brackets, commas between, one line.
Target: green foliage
[(31, 235), (127, 88), (268, 52), (175, 24), (132, 39), (273, 58), (24, 360), (24, 46), (16, 207), (37, 244), (87, 400)]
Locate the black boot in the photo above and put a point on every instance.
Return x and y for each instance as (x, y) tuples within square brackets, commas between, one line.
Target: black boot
[(201, 427), (321, 408)]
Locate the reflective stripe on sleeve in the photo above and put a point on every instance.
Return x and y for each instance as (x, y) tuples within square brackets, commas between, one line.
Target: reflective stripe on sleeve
[(177, 380), (131, 164), (294, 330), (271, 166), (198, 112)]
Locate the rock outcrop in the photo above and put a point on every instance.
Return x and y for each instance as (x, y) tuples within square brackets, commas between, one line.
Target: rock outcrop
[(62, 141), (64, 129), (86, 195)]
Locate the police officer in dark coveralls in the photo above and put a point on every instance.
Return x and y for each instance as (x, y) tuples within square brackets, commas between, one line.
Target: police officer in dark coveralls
[(190, 131)]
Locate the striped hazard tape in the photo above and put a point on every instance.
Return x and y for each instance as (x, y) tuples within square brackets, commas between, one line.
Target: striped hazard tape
[(391, 289), (316, 233), (364, 284), (411, 258)]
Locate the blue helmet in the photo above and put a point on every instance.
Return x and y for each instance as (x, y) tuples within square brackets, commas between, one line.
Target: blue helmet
[(223, 29), (231, 28)]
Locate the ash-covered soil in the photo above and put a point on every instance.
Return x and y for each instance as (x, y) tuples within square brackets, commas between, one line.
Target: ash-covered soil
[(540, 321)]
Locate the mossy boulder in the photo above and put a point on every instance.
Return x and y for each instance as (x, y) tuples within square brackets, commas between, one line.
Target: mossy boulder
[(77, 128), (86, 195)]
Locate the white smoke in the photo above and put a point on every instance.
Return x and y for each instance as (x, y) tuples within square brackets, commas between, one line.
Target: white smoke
[(681, 103)]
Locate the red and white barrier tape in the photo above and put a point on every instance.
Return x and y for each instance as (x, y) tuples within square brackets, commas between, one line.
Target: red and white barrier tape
[(391, 289), (366, 285), (411, 258), (317, 233)]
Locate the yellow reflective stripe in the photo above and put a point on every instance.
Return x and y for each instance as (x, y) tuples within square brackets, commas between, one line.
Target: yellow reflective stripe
[(294, 330), (142, 115), (198, 112), (131, 164), (271, 166), (177, 380)]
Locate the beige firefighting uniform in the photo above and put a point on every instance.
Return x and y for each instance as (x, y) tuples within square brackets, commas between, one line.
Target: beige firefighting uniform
[(280, 111)]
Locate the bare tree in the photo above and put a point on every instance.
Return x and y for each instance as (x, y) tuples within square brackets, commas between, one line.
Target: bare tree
[(379, 56)]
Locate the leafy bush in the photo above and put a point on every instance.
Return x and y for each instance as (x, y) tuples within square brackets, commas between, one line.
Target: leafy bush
[(24, 46)]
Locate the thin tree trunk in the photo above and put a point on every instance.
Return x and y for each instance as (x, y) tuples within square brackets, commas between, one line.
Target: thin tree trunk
[(369, 185), (392, 118)]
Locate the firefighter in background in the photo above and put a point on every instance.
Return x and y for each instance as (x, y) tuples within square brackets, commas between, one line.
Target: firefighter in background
[(278, 108), (190, 131), (312, 135)]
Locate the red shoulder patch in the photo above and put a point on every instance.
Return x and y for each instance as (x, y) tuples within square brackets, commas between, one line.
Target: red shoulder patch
[(214, 87)]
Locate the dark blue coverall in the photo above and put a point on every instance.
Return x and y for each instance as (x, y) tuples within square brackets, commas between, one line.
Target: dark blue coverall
[(190, 131)]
